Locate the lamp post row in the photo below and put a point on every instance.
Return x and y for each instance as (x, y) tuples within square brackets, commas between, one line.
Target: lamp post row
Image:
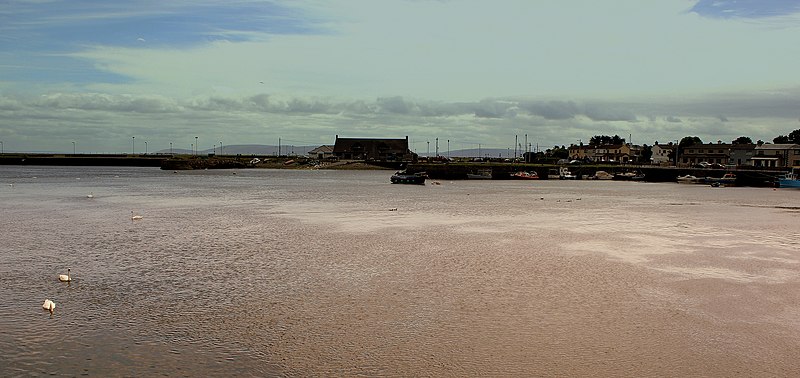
[(133, 146)]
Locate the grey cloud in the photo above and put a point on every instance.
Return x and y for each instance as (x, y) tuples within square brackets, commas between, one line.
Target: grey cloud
[(604, 112), (394, 105), (552, 110), (494, 109), (104, 102)]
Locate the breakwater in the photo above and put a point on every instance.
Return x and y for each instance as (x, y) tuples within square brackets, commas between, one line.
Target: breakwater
[(108, 160)]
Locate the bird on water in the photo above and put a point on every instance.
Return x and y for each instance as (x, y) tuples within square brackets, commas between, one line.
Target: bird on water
[(135, 217), (65, 277), (49, 305)]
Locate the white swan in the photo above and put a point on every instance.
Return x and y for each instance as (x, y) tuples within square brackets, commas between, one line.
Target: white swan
[(65, 277), (49, 305), (135, 217), (90, 195)]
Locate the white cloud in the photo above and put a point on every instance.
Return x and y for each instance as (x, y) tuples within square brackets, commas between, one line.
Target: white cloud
[(469, 70)]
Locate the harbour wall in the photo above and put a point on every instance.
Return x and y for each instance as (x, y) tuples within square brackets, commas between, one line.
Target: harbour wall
[(503, 171)]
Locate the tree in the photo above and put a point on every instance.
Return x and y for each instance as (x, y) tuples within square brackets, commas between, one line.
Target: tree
[(689, 141), (793, 137), (781, 139), (600, 140), (647, 153), (742, 140)]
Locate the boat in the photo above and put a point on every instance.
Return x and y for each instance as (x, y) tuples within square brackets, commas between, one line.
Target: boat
[(565, 174), (522, 175), (562, 173), (629, 176), (689, 179), (602, 175), (403, 177), (483, 174), (726, 179), (789, 180)]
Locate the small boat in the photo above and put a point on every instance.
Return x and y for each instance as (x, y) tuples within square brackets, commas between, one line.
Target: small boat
[(689, 179), (565, 174), (403, 177), (629, 176), (525, 175), (483, 174), (602, 175), (726, 179), (789, 180)]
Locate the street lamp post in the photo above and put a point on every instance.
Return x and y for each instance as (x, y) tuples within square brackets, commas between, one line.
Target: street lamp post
[(1, 147), (677, 149), (73, 148), (220, 148), (170, 148), (145, 147), (133, 145), (195, 145)]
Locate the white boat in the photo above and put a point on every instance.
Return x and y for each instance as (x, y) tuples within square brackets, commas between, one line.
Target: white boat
[(565, 174), (483, 174), (689, 179), (629, 176), (602, 175)]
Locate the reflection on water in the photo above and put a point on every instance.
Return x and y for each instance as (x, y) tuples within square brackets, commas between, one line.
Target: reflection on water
[(272, 272)]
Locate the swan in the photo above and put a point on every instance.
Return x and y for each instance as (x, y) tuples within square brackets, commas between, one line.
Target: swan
[(135, 217), (65, 277), (49, 305), (90, 195)]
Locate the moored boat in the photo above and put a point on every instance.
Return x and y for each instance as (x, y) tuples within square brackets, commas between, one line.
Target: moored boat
[(789, 180), (481, 174), (565, 174), (602, 175), (525, 175), (629, 176), (403, 177), (689, 179), (726, 179)]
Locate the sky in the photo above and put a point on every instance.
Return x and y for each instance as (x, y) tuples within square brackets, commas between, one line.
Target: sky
[(111, 75)]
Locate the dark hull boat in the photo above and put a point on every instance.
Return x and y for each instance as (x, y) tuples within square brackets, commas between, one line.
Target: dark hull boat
[(408, 178)]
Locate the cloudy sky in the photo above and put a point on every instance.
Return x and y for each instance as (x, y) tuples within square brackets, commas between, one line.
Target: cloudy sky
[(99, 73)]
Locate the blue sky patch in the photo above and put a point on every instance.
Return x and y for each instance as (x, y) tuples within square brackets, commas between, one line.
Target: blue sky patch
[(745, 8)]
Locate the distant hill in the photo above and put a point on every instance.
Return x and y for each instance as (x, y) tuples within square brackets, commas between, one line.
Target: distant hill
[(247, 149), (261, 149)]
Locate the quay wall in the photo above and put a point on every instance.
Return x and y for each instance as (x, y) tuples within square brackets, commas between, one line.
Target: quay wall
[(503, 171), (83, 160)]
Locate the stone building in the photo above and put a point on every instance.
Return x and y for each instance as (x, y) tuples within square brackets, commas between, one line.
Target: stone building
[(373, 149)]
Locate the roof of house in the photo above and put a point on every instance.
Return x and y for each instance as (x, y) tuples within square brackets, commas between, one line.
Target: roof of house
[(767, 146), (347, 144), (325, 149)]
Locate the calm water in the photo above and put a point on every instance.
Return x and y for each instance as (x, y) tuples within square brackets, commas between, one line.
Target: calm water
[(308, 273)]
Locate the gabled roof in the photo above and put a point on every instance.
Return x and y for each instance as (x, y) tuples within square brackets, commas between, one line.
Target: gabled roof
[(325, 149)]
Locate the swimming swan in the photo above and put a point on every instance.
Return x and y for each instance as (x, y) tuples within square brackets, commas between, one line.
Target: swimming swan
[(65, 277), (49, 305), (135, 217)]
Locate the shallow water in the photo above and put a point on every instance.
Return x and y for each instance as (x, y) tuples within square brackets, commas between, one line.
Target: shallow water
[(309, 273)]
